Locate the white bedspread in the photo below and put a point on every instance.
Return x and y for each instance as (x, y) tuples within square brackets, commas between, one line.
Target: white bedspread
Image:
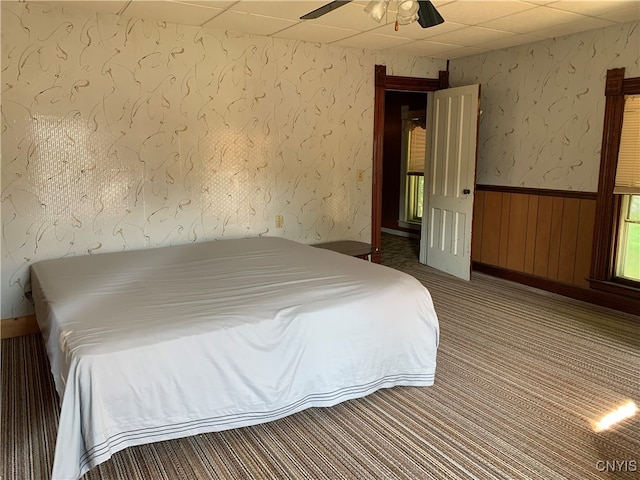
[(164, 343)]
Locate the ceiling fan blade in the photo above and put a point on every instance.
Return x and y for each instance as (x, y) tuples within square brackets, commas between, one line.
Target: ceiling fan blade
[(329, 7), (428, 16)]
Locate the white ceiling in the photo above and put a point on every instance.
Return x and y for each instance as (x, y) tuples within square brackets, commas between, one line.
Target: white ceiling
[(471, 26)]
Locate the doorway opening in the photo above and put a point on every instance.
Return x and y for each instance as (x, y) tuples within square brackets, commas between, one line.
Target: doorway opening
[(394, 85), (403, 162)]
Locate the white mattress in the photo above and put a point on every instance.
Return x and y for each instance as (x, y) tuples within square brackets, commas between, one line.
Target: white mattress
[(164, 343)]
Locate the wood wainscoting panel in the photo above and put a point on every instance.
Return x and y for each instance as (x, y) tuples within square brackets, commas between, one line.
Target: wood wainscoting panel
[(476, 232), (543, 236), (532, 229), (538, 232), (517, 231), (491, 228), (568, 239), (586, 224), (503, 248), (554, 239)]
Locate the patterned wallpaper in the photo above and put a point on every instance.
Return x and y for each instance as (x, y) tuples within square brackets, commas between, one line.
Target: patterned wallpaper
[(543, 107), (125, 134)]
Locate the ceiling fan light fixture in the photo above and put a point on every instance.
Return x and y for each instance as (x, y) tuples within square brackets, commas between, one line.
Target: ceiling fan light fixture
[(407, 7), (402, 20), (428, 16), (376, 9), (407, 12)]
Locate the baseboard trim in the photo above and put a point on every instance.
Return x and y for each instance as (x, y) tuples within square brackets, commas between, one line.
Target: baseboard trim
[(18, 326), (596, 297)]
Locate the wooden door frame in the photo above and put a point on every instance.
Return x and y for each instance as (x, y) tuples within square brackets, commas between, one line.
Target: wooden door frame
[(384, 83)]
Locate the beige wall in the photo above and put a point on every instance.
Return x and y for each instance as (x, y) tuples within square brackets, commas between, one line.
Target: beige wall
[(125, 134), (543, 107)]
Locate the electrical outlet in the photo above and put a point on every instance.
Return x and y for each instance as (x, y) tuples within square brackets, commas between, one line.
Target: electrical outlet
[(360, 175), (279, 221)]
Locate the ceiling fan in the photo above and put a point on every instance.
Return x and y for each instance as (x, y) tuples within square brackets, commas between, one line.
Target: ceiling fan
[(408, 11)]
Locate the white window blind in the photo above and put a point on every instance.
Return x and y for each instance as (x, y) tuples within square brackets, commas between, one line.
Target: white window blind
[(628, 169), (417, 145)]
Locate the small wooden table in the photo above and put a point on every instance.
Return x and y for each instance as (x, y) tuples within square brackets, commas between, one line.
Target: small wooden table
[(348, 247)]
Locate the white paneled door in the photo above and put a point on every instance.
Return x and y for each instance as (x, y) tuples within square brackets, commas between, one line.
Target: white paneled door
[(450, 171)]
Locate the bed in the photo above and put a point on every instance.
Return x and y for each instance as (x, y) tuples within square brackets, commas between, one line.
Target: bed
[(169, 342)]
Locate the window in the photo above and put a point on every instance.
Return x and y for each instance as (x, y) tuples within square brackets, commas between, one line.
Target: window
[(628, 251), (414, 195), (414, 134), (615, 266), (627, 185)]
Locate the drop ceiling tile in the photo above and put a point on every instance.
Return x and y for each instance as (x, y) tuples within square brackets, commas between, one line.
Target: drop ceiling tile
[(436, 50), (208, 3), (353, 17), (415, 31), (594, 8), (462, 52), (290, 9), (624, 14), (423, 48), (315, 33), (173, 12), (471, 36), (474, 12), (248, 23), (434, 32), (372, 41), (532, 20), (511, 41), (578, 25)]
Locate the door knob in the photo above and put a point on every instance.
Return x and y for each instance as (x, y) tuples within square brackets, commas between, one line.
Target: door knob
[(466, 191)]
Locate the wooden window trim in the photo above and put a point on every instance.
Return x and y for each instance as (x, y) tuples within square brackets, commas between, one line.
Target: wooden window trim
[(608, 204)]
